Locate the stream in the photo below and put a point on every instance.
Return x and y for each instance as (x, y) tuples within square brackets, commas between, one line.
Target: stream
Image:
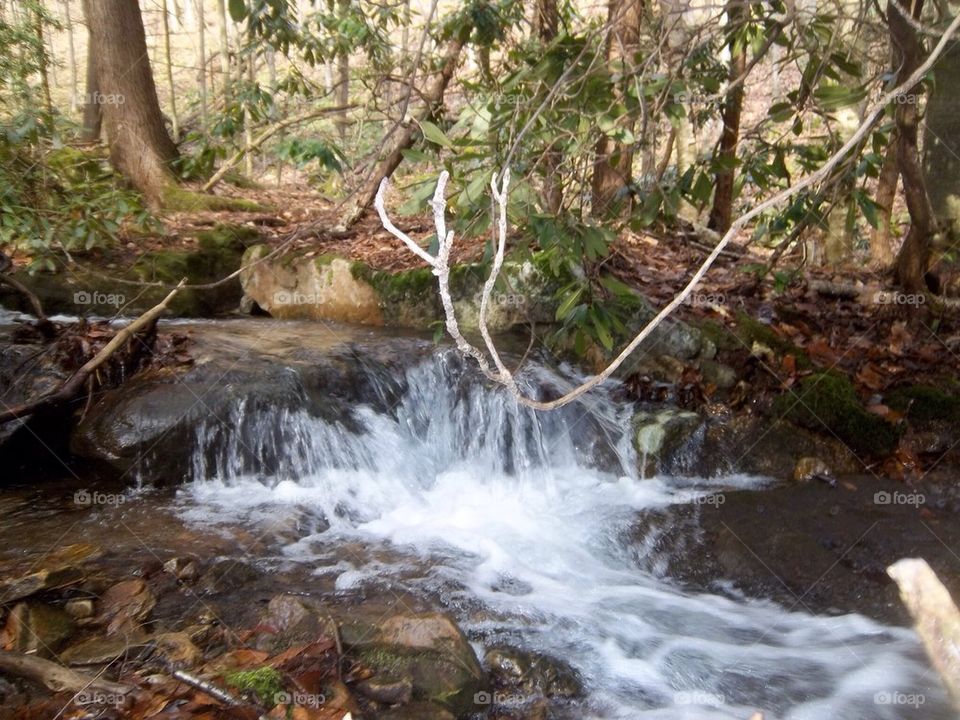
[(518, 523)]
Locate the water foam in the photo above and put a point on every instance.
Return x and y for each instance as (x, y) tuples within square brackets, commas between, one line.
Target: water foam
[(523, 515)]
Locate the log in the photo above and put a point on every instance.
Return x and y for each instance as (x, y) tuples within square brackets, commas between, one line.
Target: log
[(56, 677), (936, 618)]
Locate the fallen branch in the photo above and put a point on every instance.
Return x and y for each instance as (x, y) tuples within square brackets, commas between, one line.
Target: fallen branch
[(56, 677), (266, 135), (205, 686), (936, 617), (440, 262), (72, 386), (46, 328)]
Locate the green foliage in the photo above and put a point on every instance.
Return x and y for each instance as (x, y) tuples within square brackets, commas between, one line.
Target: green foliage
[(54, 198)]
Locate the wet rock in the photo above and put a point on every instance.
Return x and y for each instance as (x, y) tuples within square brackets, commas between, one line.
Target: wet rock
[(532, 673), (390, 693), (79, 608), (125, 606), (103, 650), (808, 546), (38, 628), (184, 569), (417, 711), (27, 585), (809, 468), (658, 437), (226, 575), (761, 446), (176, 649)]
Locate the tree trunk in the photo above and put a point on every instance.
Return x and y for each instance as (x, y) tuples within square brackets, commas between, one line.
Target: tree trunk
[(343, 78), (42, 59), (140, 147), (721, 215), (881, 252), (224, 48), (169, 68), (613, 164), (915, 252), (92, 117), (71, 58), (202, 59), (405, 134), (545, 25), (941, 145)]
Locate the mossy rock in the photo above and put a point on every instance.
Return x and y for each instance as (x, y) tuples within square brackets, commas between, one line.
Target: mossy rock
[(750, 331), (437, 677), (828, 402), (925, 404)]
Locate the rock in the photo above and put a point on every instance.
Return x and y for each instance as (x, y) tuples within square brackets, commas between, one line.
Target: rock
[(390, 693), (417, 711), (303, 286), (177, 649), (38, 628), (532, 673), (761, 446), (183, 568), (79, 608), (808, 468), (103, 650), (659, 437), (27, 585), (226, 575), (125, 606), (714, 373)]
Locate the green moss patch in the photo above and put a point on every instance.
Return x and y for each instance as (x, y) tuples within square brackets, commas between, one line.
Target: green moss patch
[(829, 402), (752, 331), (924, 403), (265, 682)]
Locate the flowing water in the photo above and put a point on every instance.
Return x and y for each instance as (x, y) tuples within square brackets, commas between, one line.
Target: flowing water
[(518, 522)]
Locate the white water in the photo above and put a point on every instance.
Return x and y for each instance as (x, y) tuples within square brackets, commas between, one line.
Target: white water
[(504, 515)]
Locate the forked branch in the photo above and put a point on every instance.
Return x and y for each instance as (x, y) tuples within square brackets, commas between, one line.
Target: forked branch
[(499, 372)]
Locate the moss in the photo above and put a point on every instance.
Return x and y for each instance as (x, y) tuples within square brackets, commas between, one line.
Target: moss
[(719, 335), (924, 403), (265, 682), (227, 236), (828, 401), (749, 331), (178, 198)]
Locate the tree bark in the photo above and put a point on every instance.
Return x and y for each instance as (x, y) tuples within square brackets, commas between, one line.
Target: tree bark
[(202, 53), (881, 251), (224, 48), (43, 59), (613, 164), (343, 78), (406, 133), (168, 66), (71, 57), (941, 143), (915, 251), (140, 147), (721, 214), (546, 21), (92, 117)]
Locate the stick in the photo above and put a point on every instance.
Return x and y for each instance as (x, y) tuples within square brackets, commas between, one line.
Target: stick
[(74, 383), (56, 677)]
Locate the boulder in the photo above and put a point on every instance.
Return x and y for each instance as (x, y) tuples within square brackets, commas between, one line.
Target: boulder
[(531, 673), (38, 628), (659, 437)]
